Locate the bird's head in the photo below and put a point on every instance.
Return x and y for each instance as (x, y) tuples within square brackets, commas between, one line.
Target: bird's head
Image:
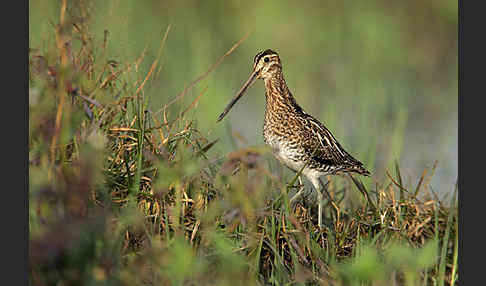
[(265, 65)]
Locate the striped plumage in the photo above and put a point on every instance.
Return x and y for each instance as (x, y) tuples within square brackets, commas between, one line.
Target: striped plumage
[(298, 140)]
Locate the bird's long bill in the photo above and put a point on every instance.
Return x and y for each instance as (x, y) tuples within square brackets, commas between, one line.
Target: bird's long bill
[(239, 94)]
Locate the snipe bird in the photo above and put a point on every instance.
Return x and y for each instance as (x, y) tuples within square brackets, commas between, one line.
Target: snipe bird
[(298, 140)]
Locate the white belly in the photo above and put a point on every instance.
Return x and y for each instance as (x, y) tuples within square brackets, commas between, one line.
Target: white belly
[(287, 155)]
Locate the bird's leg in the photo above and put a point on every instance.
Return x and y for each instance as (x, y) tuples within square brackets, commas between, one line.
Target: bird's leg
[(319, 212), (299, 192), (331, 199), (317, 186)]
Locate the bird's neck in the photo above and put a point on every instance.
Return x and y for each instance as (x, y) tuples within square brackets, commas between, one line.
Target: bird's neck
[(278, 95)]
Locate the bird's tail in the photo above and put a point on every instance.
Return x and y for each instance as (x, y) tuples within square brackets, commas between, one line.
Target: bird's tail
[(360, 170)]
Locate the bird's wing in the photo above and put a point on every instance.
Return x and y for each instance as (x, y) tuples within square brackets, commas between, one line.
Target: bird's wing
[(323, 147)]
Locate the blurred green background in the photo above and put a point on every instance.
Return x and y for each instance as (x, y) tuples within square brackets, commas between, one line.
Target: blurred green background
[(381, 75)]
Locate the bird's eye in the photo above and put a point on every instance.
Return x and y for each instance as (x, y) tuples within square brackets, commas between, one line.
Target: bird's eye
[(266, 60)]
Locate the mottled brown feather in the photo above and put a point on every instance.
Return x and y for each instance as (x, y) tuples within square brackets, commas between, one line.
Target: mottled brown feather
[(304, 137)]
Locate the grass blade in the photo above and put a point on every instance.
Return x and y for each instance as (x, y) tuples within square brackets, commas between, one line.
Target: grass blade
[(445, 242)]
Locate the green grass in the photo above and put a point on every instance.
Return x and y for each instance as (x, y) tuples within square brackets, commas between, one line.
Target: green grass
[(121, 194)]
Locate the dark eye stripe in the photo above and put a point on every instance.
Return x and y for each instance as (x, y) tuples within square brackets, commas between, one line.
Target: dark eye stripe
[(262, 54)]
